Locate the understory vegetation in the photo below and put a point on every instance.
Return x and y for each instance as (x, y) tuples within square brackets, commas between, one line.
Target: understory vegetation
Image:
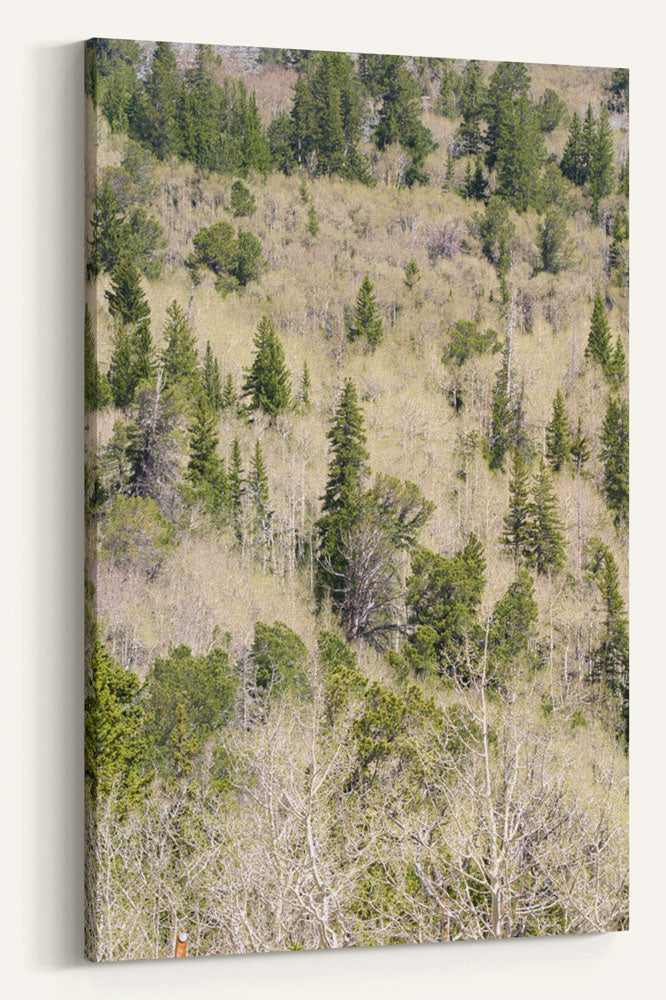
[(357, 499)]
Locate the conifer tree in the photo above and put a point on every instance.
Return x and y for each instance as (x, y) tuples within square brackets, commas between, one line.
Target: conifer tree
[(143, 363), (502, 422), (236, 489), (210, 380), (127, 301), (545, 546), (516, 522), (623, 179), (120, 375), (180, 357), (520, 155), (108, 239), (472, 101), (617, 369), (573, 163), (558, 435), (257, 488), (611, 661), (305, 387), (366, 321), (229, 397), (554, 245), (412, 274), (598, 342), (162, 89), (205, 470), (615, 458), (268, 382), (588, 141), (601, 169), (313, 220), (580, 448)]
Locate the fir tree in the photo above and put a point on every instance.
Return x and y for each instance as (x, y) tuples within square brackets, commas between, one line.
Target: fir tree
[(598, 342), (236, 489), (617, 369), (545, 545), (573, 163), (558, 435), (601, 170), (366, 320), (502, 421), (126, 298), (313, 220), (257, 488), (615, 458), (520, 156), (229, 397), (580, 449), (242, 200), (205, 470), (180, 357), (516, 522), (108, 239), (611, 660), (162, 89), (131, 363), (210, 380), (268, 382), (472, 101), (554, 245), (623, 179), (304, 390)]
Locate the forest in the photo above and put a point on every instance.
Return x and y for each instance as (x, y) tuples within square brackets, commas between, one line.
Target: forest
[(357, 499)]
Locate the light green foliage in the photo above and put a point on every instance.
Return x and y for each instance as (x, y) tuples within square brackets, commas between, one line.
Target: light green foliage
[(205, 469), (512, 627), (180, 358), (280, 657), (313, 220), (127, 300), (412, 274), (134, 534), (466, 340)]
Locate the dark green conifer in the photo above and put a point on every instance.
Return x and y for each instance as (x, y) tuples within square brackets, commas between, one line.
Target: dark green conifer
[(162, 89), (268, 382), (203, 468), (127, 301), (257, 488), (615, 458), (180, 357), (236, 489), (229, 397), (366, 320), (580, 449), (573, 164), (558, 435), (617, 369), (313, 220), (516, 522), (305, 387), (242, 200), (602, 169), (502, 420), (554, 244), (598, 342), (545, 546), (210, 380)]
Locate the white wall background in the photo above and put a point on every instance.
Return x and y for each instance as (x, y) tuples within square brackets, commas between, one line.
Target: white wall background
[(41, 552)]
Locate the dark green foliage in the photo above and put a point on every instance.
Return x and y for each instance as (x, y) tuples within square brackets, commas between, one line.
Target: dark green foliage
[(324, 128), (623, 179), (188, 699), (496, 231), (236, 489), (134, 535), (503, 423), (446, 103), (234, 259), (574, 163), (588, 155), (602, 168), (342, 680), (257, 491), (556, 193), (304, 401), (242, 200), (618, 90), (551, 110), (445, 594), (476, 184), (466, 340), (145, 242), (137, 237), (615, 458), (205, 469), (280, 657), (155, 445), (268, 382), (517, 519), (180, 357), (512, 626), (579, 449), (158, 127), (229, 397), (115, 749), (617, 369), (112, 78), (555, 247), (619, 254), (506, 86), (366, 319), (96, 389), (400, 115), (108, 235), (127, 301), (545, 546), (131, 363), (598, 341), (558, 435), (471, 106), (412, 274), (519, 156), (210, 380), (611, 658)]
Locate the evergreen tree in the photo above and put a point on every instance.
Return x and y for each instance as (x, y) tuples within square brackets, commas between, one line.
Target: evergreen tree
[(366, 320), (97, 392), (520, 156), (545, 546), (400, 115), (558, 435), (229, 397), (236, 489), (573, 163), (313, 221), (126, 298), (502, 421), (268, 382), (205, 470), (509, 82), (472, 101), (108, 231), (143, 363), (598, 342), (412, 274), (242, 200), (602, 169), (554, 245), (623, 179), (611, 659), (162, 90), (210, 380), (615, 458), (180, 357), (257, 488), (305, 387), (617, 369), (516, 521), (580, 449), (588, 142), (131, 363)]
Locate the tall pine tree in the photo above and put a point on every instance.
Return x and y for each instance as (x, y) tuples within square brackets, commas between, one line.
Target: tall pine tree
[(257, 488), (366, 321), (268, 382), (236, 489), (180, 357), (545, 546), (558, 435), (127, 301), (210, 380), (516, 522), (598, 341)]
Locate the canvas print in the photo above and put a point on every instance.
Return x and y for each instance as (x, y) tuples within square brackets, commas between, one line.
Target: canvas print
[(357, 500)]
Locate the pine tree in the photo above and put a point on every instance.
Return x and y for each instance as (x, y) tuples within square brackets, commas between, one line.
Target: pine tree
[(127, 301), (611, 661), (210, 380), (366, 321), (180, 357), (236, 489), (305, 387), (520, 156), (615, 458), (554, 245), (617, 369), (623, 179), (257, 488), (313, 220), (108, 238), (602, 170), (598, 341), (502, 424), (162, 89), (573, 163), (588, 142), (120, 375), (580, 449), (229, 397), (204, 469), (558, 435), (143, 363), (472, 101), (545, 546), (268, 382), (341, 501), (516, 522)]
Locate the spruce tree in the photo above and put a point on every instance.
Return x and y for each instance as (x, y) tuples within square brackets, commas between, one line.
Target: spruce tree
[(573, 159), (520, 156), (366, 320), (180, 357), (236, 489), (554, 244), (313, 220), (580, 449), (257, 488), (558, 435), (617, 369), (210, 380), (598, 342), (601, 170), (109, 233), (615, 458), (516, 522), (268, 382), (611, 660), (162, 89), (472, 101), (143, 363), (305, 387), (204, 469), (545, 545), (120, 375), (229, 397), (502, 421), (127, 301)]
